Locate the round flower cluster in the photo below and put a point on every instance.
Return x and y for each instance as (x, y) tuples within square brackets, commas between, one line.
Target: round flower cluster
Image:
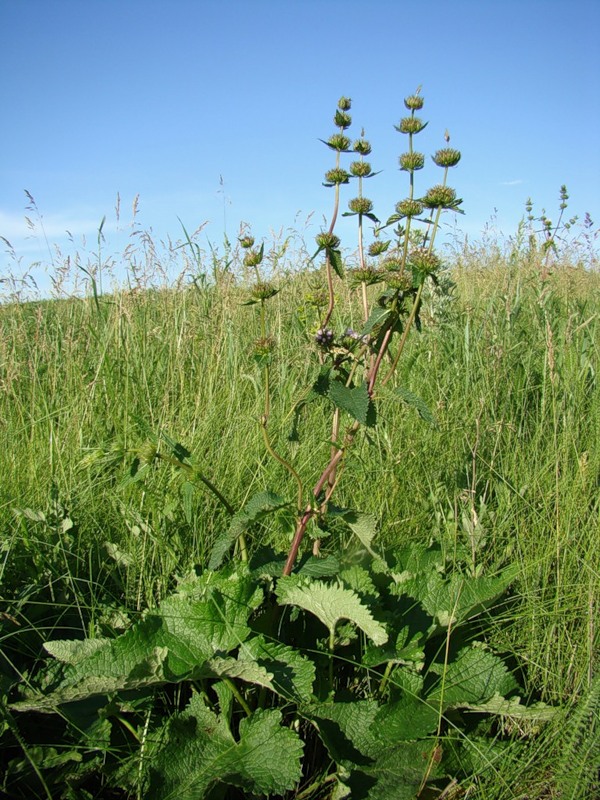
[(360, 205), (253, 257), (440, 197), (424, 261), (414, 102), (339, 142), (410, 125), (399, 280), (342, 119), (324, 337), (264, 347), (409, 208), (410, 162), (327, 240), (446, 157), (337, 175), (263, 290), (367, 275), (362, 146), (360, 169)]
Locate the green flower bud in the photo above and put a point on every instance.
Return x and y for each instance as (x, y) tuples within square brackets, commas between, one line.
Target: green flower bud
[(339, 142), (318, 298), (360, 169), (263, 290), (360, 205), (147, 453), (399, 280), (447, 157), (337, 175), (424, 261), (368, 275), (264, 347), (393, 263), (362, 146), (378, 247), (328, 241), (410, 125), (409, 208), (253, 257), (440, 197), (246, 241), (342, 119), (412, 161), (414, 102), (344, 103)]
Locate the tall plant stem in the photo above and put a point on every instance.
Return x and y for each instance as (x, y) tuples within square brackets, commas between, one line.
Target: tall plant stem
[(405, 332), (310, 510)]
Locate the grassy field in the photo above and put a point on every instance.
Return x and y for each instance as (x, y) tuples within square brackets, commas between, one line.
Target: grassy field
[(508, 365)]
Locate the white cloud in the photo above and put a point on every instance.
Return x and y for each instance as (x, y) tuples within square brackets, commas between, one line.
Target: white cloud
[(517, 182)]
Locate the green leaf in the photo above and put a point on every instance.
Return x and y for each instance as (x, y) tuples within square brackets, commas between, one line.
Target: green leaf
[(292, 674), (407, 720), (376, 318), (330, 603), (455, 599), (200, 752), (354, 400), (178, 640), (475, 676), (364, 526), (416, 402), (346, 730), (374, 768), (335, 258), (258, 507)]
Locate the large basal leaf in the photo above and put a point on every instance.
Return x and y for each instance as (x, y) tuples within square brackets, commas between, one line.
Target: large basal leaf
[(376, 766), (346, 730), (292, 674), (200, 751), (258, 507), (330, 603), (454, 599), (171, 643), (475, 676)]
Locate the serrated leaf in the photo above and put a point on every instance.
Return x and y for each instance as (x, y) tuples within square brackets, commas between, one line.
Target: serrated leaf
[(373, 769), (258, 507), (330, 603), (170, 644), (335, 259), (354, 400), (416, 402), (376, 318), (514, 708), (346, 730), (292, 674), (475, 676), (406, 720), (455, 599), (201, 752)]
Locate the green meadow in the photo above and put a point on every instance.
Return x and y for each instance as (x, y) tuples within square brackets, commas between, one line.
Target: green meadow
[(145, 522)]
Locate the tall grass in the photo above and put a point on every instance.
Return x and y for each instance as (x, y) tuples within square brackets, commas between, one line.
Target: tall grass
[(508, 362)]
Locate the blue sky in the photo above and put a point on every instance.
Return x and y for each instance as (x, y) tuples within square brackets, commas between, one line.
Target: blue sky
[(165, 99)]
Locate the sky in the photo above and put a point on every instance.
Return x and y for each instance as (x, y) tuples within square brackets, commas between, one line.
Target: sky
[(211, 113)]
